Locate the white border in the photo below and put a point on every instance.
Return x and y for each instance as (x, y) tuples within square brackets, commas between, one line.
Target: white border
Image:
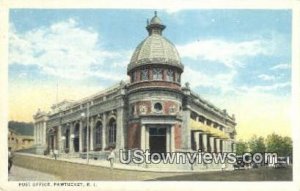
[(5, 5)]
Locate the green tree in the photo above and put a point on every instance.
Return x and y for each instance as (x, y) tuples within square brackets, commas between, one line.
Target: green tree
[(257, 144), (283, 146), (241, 147)]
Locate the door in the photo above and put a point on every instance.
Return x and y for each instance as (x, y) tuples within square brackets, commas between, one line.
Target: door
[(157, 140)]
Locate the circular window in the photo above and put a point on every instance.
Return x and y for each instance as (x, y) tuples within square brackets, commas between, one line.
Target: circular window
[(157, 107)]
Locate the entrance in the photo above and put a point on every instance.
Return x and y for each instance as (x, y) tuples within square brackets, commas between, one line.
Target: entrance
[(157, 140), (76, 138), (76, 144)]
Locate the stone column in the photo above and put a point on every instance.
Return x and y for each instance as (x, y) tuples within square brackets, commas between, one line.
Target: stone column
[(34, 132), (120, 131), (103, 143), (40, 133), (92, 125), (142, 134), (172, 138), (59, 141), (80, 136), (212, 144), (234, 147), (45, 134), (217, 145), (186, 131), (204, 142), (168, 140), (147, 139), (71, 138)]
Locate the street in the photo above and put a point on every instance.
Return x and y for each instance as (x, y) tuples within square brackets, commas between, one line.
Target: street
[(22, 174)]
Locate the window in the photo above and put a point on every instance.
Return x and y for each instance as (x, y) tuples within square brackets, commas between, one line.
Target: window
[(157, 107), (112, 131), (67, 138), (170, 75), (178, 77), (98, 133), (144, 74), (157, 74), (132, 77)]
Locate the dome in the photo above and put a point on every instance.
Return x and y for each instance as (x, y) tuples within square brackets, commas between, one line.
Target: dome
[(155, 49), (155, 20)]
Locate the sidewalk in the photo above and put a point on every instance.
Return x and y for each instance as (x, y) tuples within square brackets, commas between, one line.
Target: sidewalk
[(150, 168)]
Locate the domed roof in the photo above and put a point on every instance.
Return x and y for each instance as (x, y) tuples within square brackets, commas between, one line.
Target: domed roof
[(155, 49), (155, 20)]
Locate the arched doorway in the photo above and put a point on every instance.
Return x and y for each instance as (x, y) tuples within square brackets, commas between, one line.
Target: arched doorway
[(98, 136), (76, 138), (112, 132), (52, 139)]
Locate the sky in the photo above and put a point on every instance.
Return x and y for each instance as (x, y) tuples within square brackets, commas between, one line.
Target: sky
[(239, 60)]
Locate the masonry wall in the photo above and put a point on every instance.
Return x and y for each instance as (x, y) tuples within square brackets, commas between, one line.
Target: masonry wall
[(133, 135)]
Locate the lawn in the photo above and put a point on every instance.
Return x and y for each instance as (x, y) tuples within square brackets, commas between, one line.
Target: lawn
[(260, 174)]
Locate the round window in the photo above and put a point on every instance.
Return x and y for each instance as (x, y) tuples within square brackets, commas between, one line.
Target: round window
[(157, 107)]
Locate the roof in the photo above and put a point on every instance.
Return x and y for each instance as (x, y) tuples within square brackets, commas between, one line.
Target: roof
[(155, 49)]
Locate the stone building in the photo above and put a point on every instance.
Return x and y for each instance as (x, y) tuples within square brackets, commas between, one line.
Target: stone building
[(152, 111), (17, 141)]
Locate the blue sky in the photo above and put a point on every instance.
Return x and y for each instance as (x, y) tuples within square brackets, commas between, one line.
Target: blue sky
[(228, 54)]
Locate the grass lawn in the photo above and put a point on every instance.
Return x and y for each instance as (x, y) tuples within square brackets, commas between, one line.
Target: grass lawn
[(260, 174)]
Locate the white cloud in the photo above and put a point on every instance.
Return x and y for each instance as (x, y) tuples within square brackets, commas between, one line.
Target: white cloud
[(281, 67), (173, 10), (266, 88), (65, 50), (266, 77), (221, 81), (228, 53)]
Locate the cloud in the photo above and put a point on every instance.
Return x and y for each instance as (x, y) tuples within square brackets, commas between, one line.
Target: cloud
[(65, 50), (229, 53), (281, 67), (173, 10), (266, 77), (221, 81), (266, 88)]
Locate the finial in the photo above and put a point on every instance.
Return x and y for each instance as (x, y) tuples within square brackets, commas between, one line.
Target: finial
[(187, 85), (155, 13)]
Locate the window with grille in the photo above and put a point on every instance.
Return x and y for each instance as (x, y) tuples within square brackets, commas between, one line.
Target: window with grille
[(112, 131), (157, 74), (170, 75), (144, 74), (98, 133)]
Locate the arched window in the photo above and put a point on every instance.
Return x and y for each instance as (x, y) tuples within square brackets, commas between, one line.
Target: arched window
[(76, 138), (98, 133), (157, 74), (112, 135), (178, 77), (170, 75), (144, 74), (67, 136)]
